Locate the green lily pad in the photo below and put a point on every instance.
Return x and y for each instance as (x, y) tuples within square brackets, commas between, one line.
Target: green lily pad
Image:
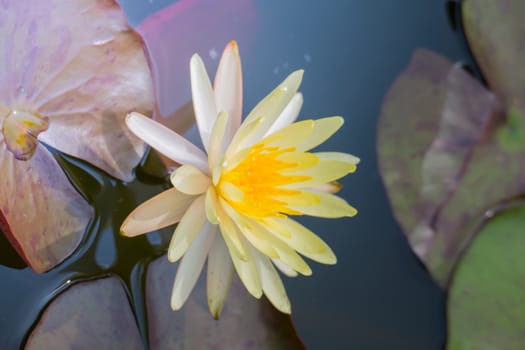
[(496, 32), (486, 306)]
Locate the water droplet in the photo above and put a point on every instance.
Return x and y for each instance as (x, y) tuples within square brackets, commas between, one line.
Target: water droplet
[(307, 58), (213, 54)]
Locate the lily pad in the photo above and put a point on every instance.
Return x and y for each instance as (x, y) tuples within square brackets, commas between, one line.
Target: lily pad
[(88, 315), (496, 32), (70, 73), (438, 151), (486, 305), (245, 322), (97, 314)]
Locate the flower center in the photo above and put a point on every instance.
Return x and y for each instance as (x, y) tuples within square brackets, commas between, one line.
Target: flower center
[(20, 130), (256, 186)]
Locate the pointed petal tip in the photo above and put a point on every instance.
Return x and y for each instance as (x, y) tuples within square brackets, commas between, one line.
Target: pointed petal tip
[(175, 305), (297, 75), (215, 307), (195, 59), (351, 211), (132, 117), (232, 45)]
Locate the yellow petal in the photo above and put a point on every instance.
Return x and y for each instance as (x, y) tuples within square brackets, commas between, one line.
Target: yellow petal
[(329, 206), (324, 171), (271, 283), (211, 205), (290, 136), (301, 239), (160, 211), (254, 236), (217, 140), (190, 180), (285, 253), (330, 187), (266, 112), (289, 114), (322, 130), (285, 269), (230, 232), (247, 271), (187, 229)]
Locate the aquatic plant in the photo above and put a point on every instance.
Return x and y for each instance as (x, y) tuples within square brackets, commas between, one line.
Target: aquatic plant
[(457, 166), (255, 175)]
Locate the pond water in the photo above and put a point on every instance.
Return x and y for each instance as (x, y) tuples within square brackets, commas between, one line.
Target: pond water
[(379, 295)]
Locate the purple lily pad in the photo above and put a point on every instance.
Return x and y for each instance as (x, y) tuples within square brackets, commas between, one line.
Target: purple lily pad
[(88, 315), (70, 72), (442, 159), (245, 322)]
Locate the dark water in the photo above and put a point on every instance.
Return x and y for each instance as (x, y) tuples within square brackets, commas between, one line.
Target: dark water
[(378, 296)]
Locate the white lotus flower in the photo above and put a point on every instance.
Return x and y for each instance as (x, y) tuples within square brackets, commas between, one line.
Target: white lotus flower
[(232, 204)]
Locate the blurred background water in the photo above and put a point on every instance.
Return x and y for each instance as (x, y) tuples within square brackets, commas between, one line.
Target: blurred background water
[(379, 295)]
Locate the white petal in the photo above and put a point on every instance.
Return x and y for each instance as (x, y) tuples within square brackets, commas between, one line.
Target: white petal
[(247, 270), (230, 232), (190, 266), (265, 113), (287, 270), (190, 180), (228, 88), (219, 277), (289, 114), (167, 142), (203, 99), (271, 283), (165, 209), (218, 141), (187, 229)]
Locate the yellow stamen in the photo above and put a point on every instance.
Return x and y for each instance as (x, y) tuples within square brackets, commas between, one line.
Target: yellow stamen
[(256, 185)]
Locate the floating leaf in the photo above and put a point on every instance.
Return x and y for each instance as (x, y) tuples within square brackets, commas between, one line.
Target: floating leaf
[(486, 306), (496, 32), (43, 216), (440, 159), (88, 315), (245, 322), (70, 72)]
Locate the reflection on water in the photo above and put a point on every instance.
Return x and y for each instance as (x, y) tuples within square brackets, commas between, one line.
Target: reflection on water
[(378, 296)]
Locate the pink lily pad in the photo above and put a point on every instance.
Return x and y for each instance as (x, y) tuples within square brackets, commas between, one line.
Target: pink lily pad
[(88, 315), (69, 74), (174, 34), (245, 322), (42, 214)]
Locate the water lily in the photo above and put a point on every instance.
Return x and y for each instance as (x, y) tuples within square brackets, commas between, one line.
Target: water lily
[(233, 203), (70, 72)]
